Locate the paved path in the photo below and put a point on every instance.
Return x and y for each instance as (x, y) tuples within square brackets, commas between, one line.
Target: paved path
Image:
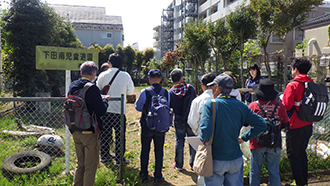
[(327, 183)]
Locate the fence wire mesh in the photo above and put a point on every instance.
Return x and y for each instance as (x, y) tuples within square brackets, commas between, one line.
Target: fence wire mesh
[(24, 157), (32, 141)]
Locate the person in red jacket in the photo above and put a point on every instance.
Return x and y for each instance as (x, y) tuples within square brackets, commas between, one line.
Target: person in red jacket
[(298, 135)]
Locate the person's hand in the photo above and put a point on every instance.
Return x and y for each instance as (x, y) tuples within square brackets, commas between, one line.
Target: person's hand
[(107, 97), (205, 143), (240, 140)]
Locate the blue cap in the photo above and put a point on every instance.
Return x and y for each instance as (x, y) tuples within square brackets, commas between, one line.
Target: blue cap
[(154, 73), (225, 83)]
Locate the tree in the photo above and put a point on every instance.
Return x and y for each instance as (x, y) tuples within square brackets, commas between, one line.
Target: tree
[(279, 20), (138, 62), (148, 53), (107, 50), (196, 45), (130, 58), (222, 43), (288, 15), (243, 26), (120, 51), (29, 23), (104, 52), (266, 25)]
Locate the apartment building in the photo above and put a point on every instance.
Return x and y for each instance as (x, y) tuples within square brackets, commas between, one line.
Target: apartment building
[(91, 25), (157, 43), (180, 12)]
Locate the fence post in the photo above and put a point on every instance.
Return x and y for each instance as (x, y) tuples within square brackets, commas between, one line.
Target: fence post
[(67, 132), (122, 137)]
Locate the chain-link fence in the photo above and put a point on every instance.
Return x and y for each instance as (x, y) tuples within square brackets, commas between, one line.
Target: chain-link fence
[(36, 145), (321, 135)]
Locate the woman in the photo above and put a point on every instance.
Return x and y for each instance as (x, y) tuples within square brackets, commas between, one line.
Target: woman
[(234, 92), (266, 95), (255, 77)]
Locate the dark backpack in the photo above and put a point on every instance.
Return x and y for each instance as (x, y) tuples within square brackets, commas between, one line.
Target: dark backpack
[(159, 116), (314, 102), (271, 137), (187, 100), (75, 112)]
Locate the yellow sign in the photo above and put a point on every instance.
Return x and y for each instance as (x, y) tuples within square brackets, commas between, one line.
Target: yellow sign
[(61, 58)]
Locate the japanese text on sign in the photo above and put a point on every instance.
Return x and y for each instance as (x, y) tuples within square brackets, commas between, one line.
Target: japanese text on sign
[(60, 58)]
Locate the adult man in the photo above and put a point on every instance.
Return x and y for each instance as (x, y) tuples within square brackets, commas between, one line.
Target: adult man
[(142, 104), (197, 104), (87, 143), (298, 135), (181, 95), (121, 84), (231, 114)]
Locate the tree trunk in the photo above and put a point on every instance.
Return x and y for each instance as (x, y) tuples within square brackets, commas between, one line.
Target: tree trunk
[(266, 62), (196, 77), (202, 63), (241, 59), (285, 68), (224, 63), (217, 63)]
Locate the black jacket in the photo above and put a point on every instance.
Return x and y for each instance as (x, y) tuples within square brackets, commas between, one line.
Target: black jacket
[(93, 99)]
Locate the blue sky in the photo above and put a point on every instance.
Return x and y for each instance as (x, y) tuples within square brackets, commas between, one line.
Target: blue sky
[(139, 16)]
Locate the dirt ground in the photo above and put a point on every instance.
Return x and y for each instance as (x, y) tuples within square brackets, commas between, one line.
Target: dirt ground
[(174, 177), (133, 146)]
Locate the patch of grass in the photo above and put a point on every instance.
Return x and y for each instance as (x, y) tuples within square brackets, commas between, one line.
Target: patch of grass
[(131, 177), (7, 123), (152, 166), (30, 141), (104, 177), (174, 176)]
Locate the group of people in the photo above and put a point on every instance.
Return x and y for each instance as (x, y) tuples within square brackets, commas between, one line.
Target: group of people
[(193, 117), (106, 112)]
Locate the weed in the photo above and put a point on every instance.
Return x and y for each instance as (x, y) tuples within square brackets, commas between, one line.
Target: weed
[(152, 166), (174, 176), (30, 141)]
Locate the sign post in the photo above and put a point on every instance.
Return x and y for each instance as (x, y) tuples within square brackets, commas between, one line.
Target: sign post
[(61, 58)]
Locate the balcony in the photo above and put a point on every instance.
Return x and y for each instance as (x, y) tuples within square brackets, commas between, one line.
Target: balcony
[(156, 35), (156, 44)]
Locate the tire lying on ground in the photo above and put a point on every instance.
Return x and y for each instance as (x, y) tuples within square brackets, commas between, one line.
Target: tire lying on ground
[(26, 162)]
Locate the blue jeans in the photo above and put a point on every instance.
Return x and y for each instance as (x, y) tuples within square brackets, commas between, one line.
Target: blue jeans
[(227, 173), (181, 131), (272, 157), (158, 137)]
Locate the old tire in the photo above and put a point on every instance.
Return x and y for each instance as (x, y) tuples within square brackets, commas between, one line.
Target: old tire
[(26, 162)]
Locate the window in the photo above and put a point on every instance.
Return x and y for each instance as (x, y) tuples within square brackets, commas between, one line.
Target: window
[(300, 37), (276, 39), (106, 35), (219, 5), (207, 12)]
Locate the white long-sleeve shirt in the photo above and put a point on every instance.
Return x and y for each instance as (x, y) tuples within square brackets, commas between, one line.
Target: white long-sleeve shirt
[(196, 109), (236, 94), (122, 84)]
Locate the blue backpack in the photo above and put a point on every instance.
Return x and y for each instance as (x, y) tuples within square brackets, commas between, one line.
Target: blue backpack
[(159, 117)]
